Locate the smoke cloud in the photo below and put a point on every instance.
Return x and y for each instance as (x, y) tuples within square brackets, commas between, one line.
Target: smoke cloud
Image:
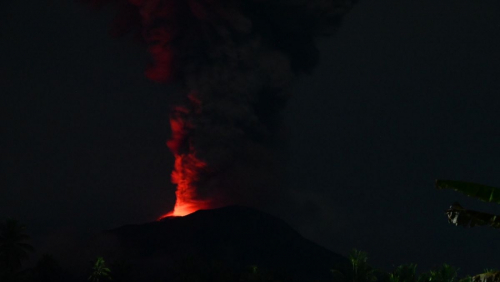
[(234, 61)]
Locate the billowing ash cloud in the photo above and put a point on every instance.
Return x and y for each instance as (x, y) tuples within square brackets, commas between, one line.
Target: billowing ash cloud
[(234, 60)]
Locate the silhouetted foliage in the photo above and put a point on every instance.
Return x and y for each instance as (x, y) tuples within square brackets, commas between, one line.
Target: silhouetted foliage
[(445, 273), (458, 215), (404, 273), (467, 278), (14, 248), (100, 271), (47, 269), (487, 277), (360, 271)]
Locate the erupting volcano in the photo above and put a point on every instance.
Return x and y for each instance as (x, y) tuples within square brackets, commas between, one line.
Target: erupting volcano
[(184, 175), (234, 60)]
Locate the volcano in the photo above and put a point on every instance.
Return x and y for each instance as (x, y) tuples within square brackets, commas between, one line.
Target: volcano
[(223, 244)]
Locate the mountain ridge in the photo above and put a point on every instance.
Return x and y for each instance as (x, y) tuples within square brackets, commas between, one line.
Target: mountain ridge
[(235, 237)]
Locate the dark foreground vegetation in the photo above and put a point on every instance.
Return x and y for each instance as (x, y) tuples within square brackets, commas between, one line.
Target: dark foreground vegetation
[(14, 250), (211, 264)]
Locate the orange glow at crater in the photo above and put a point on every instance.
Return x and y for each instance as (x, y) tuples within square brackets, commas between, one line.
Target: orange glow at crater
[(187, 167), (184, 208), (184, 175)]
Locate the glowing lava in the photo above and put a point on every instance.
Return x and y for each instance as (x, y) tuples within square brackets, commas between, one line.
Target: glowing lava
[(188, 166), (184, 176)]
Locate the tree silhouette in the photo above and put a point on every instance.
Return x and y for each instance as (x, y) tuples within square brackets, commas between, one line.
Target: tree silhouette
[(360, 272), (404, 273), (47, 269), (13, 247), (445, 273), (100, 271)]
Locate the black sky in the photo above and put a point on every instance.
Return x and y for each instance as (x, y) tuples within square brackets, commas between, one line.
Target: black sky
[(405, 93)]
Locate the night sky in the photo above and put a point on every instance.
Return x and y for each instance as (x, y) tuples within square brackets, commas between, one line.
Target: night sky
[(405, 92)]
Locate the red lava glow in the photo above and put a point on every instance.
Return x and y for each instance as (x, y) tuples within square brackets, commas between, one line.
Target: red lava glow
[(187, 167), (183, 208), (185, 173)]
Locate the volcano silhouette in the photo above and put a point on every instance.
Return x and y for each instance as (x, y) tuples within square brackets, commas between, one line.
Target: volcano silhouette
[(224, 242)]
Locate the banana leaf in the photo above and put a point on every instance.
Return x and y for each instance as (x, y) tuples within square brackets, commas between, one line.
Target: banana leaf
[(457, 215), (487, 277), (482, 192)]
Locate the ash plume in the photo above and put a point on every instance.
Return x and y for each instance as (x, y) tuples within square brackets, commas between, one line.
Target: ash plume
[(233, 60)]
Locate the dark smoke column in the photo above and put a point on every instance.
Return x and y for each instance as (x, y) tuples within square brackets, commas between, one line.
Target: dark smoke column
[(234, 60)]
